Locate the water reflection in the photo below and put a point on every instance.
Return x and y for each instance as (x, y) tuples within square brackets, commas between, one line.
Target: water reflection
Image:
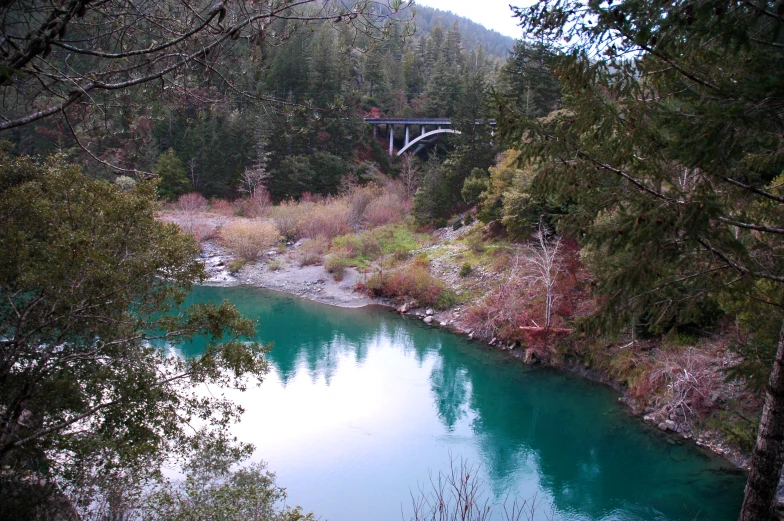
[(362, 403)]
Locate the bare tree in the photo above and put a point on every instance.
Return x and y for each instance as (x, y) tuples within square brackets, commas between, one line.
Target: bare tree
[(60, 56), (410, 173), (547, 263)]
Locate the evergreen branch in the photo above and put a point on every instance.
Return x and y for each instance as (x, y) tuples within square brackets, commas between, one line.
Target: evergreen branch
[(748, 226), (739, 267), (639, 184), (752, 189)]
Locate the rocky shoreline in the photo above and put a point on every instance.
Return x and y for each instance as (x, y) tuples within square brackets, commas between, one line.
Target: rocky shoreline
[(315, 283)]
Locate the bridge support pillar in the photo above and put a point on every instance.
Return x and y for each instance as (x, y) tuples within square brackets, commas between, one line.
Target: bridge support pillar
[(406, 141), (391, 139), (375, 131), (421, 130)]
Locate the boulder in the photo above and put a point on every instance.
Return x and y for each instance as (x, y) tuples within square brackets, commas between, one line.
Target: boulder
[(428, 320), (429, 311)]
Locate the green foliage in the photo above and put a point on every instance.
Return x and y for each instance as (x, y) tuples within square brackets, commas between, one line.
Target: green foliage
[(88, 282), (212, 488), (474, 185), (173, 182), (361, 249), (466, 269)]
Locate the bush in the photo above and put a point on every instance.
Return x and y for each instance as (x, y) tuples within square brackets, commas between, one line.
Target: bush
[(457, 224), (328, 219), (248, 239), (359, 198), (412, 281), (222, 207), (336, 264), (274, 265), (387, 209), (311, 251), (397, 240), (476, 243), (192, 203), (286, 216), (258, 205), (465, 270)]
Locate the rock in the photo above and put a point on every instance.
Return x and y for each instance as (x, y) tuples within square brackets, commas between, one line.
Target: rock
[(671, 425), (458, 292), (403, 309), (429, 311), (470, 336), (492, 341), (648, 417), (663, 426), (428, 320), (271, 252), (443, 324)]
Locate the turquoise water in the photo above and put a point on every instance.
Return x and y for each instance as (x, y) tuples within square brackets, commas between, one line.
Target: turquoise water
[(362, 405)]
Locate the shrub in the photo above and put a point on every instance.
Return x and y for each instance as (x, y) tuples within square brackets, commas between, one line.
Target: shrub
[(312, 251), (222, 207), (328, 219), (397, 240), (258, 205), (248, 239), (465, 270), (336, 264), (359, 198), (236, 265), (192, 203), (274, 265), (457, 224), (387, 209), (286, 216), (203, 232), (476, 243), (413, 281), (467, 220)]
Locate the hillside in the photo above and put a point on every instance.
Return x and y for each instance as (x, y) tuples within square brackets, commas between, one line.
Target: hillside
[(474, 35)]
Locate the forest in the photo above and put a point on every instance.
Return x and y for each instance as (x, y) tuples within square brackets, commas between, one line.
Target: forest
[(622, 213)]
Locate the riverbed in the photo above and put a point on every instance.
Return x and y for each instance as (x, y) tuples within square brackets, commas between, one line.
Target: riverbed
[(362, 406)]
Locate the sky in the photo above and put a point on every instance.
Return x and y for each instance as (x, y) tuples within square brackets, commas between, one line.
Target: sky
[(493, 14)]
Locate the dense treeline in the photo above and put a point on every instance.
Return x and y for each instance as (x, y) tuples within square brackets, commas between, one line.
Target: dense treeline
[(203, 132)]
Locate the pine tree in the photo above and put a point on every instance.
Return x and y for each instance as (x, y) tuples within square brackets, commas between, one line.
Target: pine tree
[(173, 181)]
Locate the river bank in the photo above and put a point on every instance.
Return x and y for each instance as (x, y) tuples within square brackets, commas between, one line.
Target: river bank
[(280, 270)]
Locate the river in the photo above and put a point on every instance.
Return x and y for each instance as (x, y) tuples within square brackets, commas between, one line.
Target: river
[(361, 406)]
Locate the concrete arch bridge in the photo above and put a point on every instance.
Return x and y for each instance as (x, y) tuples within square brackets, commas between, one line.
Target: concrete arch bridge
[(428, 128)]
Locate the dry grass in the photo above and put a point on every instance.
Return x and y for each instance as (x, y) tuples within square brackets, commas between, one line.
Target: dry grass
[(248, 239)]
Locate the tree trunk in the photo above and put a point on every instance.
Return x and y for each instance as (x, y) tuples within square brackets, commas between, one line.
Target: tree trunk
[(769, 451)]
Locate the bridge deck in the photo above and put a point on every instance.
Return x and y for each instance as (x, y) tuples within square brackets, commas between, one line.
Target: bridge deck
[(408, 121)]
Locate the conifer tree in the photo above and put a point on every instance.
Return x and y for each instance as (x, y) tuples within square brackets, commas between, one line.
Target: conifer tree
[(670, 153)]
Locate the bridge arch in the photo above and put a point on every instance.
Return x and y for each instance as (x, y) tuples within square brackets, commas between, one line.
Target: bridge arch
[(426, 135)]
